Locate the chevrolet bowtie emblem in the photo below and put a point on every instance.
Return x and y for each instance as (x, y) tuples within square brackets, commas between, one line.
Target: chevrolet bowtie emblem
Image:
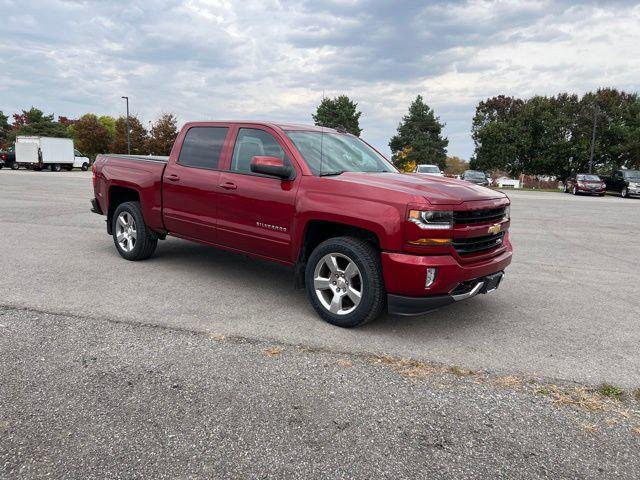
[(495, 229)]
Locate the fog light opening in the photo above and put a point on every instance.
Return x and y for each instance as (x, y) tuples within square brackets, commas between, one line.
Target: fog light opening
[(432, 273)]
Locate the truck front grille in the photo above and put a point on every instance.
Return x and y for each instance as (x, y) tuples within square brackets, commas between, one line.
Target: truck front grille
[(488, 215), (467, 246)]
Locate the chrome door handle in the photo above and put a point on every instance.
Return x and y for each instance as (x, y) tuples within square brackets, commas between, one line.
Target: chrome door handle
[(173, 177), (228, 186)]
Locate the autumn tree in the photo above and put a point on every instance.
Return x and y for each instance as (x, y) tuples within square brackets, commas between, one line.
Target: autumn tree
[(419, 139), (456, 166), (339, 111), (138, 136), (109, 123), (163, 134), (91, 136)]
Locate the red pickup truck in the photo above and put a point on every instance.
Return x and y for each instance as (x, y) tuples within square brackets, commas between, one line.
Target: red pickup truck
[(358, 234)]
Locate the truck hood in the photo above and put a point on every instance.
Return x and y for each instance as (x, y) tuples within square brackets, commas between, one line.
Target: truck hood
[(436, 190)]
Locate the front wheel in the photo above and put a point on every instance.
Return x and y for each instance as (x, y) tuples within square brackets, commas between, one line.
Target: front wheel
[(565, 189), (133, 240), (575, 191), (344, 281), (84, 167), (625, 192)]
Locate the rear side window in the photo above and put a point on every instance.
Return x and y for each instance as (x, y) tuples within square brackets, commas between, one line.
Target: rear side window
[(251, 143), (202, 147)]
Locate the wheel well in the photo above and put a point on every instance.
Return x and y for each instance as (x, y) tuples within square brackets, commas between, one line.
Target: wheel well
[(117, 196), (317, 231)]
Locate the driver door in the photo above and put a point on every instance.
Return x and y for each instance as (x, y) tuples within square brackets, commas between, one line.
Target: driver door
[(256, 211)]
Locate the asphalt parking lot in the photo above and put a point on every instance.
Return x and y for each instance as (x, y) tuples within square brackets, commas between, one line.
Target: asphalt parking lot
[(569, 307), (200, 363)]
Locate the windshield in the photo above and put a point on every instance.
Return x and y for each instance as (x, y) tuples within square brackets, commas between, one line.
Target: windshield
[(632, 174), (427, 169), (588, 178), (340, 153), (475, 174)]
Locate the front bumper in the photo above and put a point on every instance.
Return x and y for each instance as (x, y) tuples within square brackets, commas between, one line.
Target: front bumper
[(409, 306)]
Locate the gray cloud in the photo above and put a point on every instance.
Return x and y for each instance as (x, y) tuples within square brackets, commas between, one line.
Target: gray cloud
[(205, 59)]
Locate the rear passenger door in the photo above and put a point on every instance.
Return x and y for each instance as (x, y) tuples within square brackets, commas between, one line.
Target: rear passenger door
[(256, 211), (190, 184)]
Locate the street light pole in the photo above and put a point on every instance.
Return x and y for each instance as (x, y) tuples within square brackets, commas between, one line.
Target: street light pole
[(593, 136), (128, 134)]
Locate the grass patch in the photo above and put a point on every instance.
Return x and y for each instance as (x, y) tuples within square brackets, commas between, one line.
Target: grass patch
[(611, 391), (461, 372), (273, 351), (636, 394)]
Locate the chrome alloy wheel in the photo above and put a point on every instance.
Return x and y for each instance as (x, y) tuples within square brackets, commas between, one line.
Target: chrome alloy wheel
[(126, 231), (338, 283)]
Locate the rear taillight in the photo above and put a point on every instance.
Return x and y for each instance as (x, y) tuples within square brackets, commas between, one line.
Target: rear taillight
[(93, 174), (4, 156)]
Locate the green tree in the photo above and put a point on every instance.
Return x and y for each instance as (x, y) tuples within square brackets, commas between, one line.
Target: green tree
[(163, 134), (5, 127), (91, 136), (35, 122), (138, 135), (110, 124), (339, 111), (494, 133), (419, 139)]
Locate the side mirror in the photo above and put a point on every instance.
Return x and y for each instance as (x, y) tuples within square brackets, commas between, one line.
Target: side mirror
[(273, 166)]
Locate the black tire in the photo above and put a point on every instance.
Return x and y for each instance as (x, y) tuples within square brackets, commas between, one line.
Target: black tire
[(15, 166), (84, 167), (367, 260), (145, 242), (625, 192), (566, 190), (55, 167), (1, 167), (574, 191)]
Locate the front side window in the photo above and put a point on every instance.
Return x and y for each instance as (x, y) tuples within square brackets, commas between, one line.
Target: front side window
[(252, 142), (337, 152), (202, 147)]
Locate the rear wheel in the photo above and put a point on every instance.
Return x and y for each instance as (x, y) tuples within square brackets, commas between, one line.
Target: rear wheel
[(15, 166), (55, 167), (132, 238), (344, 281)]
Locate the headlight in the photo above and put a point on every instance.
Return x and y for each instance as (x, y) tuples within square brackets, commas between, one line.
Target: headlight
[(507, 212), (432, 219)]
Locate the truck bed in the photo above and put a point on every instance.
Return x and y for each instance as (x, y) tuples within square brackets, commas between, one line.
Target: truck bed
[(141, 173)]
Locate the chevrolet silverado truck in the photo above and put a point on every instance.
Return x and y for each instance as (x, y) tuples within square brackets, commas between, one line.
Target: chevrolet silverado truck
[(358, 234)]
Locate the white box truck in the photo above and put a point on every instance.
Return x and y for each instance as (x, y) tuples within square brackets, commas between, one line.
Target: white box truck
[(48, 152)]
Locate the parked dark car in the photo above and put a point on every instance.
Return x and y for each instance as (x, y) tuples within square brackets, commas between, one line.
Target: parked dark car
[(8, 159), (476, 176), (585, 183), (624, 182)]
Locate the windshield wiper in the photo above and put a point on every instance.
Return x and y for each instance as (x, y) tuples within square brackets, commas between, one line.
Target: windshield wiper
[(327, 174)]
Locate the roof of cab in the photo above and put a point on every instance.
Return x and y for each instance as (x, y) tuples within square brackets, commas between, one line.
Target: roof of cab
[(280, 125)]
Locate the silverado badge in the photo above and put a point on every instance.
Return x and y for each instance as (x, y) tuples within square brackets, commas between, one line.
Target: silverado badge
[(495, 229)]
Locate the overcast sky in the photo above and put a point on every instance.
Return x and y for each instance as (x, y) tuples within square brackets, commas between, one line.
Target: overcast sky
[(217, 59)]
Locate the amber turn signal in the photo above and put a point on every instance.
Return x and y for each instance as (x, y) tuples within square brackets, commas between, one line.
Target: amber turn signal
[(430, 241)]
